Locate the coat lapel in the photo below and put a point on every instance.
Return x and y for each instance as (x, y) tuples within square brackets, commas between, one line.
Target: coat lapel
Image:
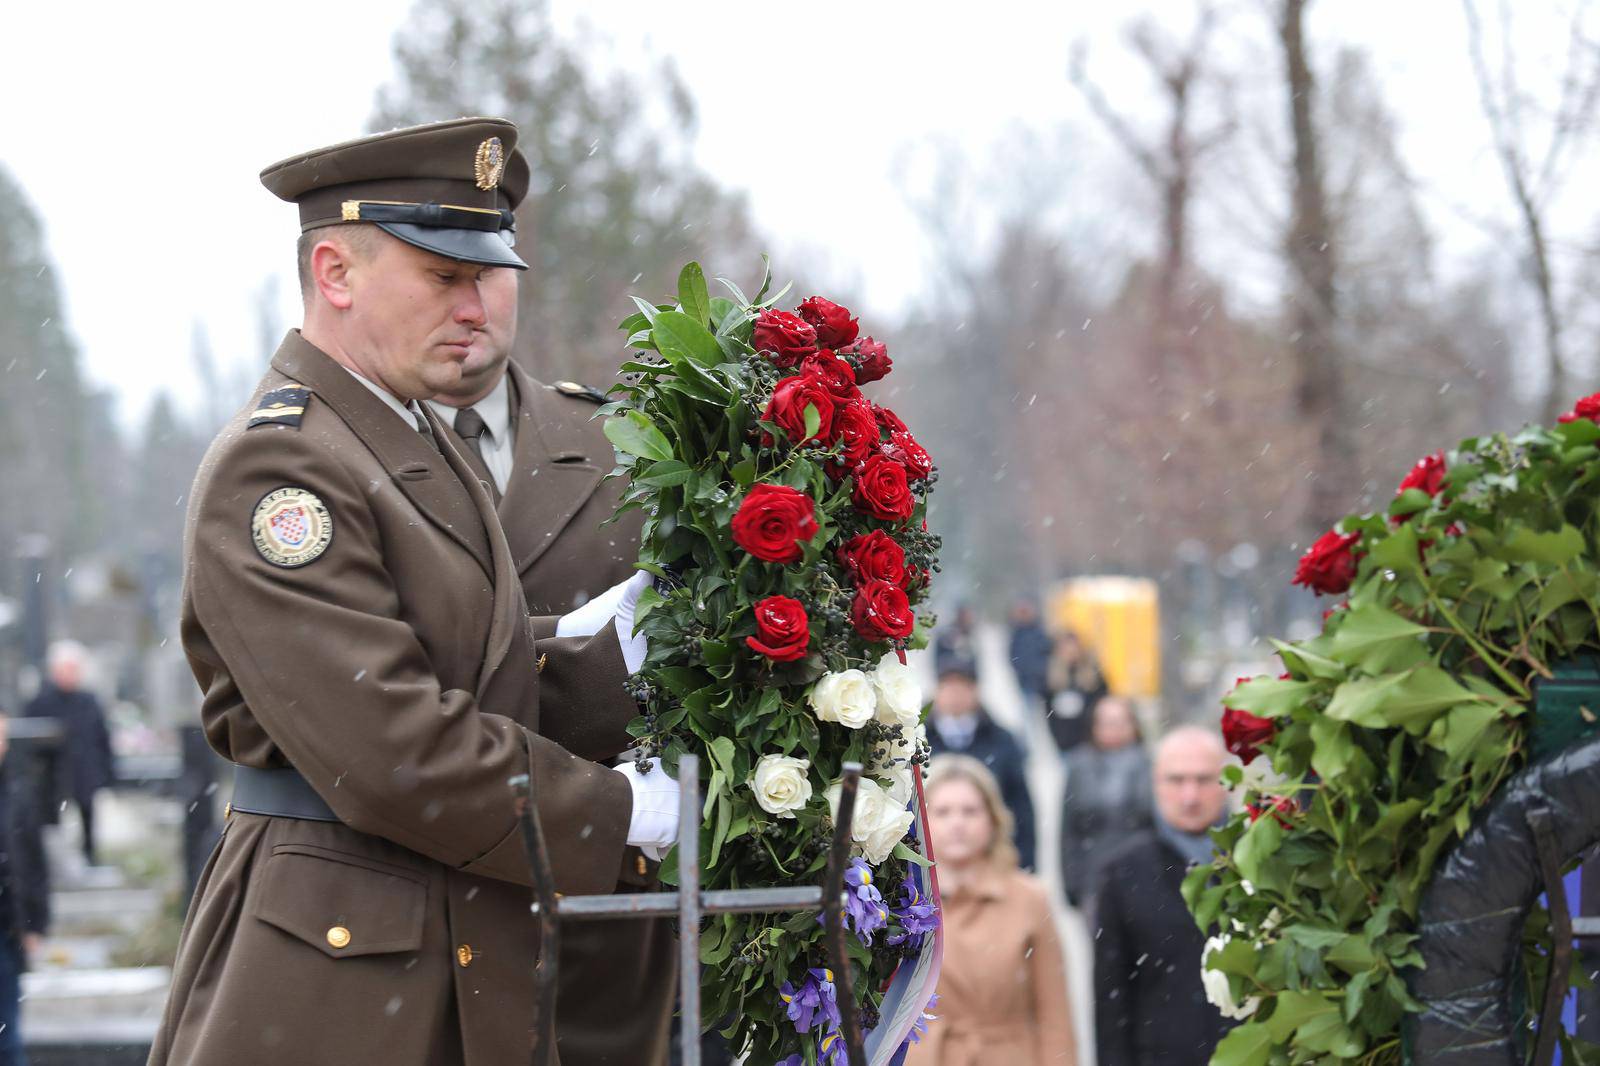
[(557, 467), (424, 475), (508, 611)]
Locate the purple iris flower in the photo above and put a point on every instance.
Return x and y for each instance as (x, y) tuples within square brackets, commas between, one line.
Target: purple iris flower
[(831, 1050), (917, 914), (814, 997), (864, 912)]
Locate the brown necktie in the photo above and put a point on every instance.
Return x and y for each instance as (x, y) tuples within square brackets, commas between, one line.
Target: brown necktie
[(471, 428), (426, 430)]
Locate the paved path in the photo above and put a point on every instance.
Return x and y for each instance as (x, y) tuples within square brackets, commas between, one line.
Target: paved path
[(1045, 779)]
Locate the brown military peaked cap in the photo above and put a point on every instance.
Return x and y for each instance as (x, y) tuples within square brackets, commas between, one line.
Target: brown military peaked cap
[(445, 187)]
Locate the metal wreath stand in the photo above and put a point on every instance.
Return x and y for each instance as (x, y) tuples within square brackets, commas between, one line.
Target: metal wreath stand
[(689, 903)]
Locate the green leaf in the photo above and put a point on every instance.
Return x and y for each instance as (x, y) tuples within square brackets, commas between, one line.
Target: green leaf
[(679, 336), (1248, 1045), (635, 434), (693, 295), (1269, 697), (1378, 640), (1332, 748), (813, 421), (665, 474), (1291, 1010), (1399, 551), (1407, 700), (1523, 545)]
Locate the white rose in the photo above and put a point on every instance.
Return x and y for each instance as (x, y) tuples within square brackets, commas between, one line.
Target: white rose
[(1218, 991), (879, 822), (899, 694), (846, 697), (781, 785)]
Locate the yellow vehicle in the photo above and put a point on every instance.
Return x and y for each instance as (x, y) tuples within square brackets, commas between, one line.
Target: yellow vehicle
[(1119, 619)]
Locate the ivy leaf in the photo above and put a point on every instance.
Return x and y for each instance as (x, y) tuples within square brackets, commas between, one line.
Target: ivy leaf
[(1523, 545), (1269, 697), (1377, 640), (1400, 551), (1408, 700)]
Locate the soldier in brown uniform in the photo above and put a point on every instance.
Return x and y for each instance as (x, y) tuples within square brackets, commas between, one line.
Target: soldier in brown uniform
[(353, 615), (538, 450)]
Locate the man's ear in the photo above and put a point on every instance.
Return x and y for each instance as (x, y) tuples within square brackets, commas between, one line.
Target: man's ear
[(330, 273)]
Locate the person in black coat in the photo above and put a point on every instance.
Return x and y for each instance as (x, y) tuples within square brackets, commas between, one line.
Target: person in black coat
[(960, 724), (24, 902), (88, 742), (1150, 1005), (1030, 653)]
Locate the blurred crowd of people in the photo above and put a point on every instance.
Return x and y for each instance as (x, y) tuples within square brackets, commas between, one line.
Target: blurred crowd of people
[(1135, 815)]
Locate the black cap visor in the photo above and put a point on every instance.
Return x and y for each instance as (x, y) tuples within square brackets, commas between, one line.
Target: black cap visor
[(484, 247)]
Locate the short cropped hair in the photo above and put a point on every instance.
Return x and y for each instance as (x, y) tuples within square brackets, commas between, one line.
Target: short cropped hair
[(359, 239)]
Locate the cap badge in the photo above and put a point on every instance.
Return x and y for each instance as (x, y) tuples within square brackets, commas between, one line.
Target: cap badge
[(489, 164)]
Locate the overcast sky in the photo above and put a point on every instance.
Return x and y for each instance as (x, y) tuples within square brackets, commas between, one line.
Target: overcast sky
[(138, 130)]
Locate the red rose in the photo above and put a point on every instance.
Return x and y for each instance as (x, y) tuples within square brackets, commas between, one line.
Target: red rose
[(1427, 475), (838, 375), (773, 521), (1282, 808), (788, 408), (783, 632), (856, 431), (835, 328), (1588, 407), (881, 489), (874, 556), (904, 449), (882, 612), (871, 360), (1244, 733), (888, 419), (784, 337), (1329, 565)]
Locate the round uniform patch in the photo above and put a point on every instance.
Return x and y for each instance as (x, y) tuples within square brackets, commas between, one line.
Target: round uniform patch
[(291, 527)]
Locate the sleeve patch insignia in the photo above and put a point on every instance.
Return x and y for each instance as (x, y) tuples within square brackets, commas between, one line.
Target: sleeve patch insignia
[(291, 527)]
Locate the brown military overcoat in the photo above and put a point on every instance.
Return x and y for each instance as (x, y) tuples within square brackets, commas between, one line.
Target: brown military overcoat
[(617, 980), (397, 672)]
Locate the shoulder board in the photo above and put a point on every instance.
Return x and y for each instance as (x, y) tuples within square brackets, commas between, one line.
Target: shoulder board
[(281, 407), (582, 392)]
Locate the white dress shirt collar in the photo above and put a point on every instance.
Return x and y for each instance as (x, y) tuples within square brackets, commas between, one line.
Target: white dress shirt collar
[(408, 410)]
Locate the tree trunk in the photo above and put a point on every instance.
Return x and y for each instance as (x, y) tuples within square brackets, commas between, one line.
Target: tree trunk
[(1314, 293)]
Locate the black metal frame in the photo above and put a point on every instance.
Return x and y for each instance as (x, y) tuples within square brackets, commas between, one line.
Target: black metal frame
[(690, 903)]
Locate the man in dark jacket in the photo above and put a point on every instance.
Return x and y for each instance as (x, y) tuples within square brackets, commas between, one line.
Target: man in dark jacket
[(1150, 1005), (88, 741), (24, 901), (1030, 653), (960, 724)]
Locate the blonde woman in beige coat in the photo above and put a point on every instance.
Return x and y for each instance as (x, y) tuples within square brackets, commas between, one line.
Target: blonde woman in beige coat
[(1002, 987)]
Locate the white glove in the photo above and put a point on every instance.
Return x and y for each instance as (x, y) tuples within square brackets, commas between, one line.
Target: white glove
[(653, 827), (616, 604)]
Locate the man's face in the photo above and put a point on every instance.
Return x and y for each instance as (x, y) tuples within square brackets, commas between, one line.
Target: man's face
[(491, 345), (414, 317), (956, 696), (1188, 782)]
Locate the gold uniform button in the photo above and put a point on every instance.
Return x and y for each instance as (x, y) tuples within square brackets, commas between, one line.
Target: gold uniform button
[(464, 954), (339, 936)]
